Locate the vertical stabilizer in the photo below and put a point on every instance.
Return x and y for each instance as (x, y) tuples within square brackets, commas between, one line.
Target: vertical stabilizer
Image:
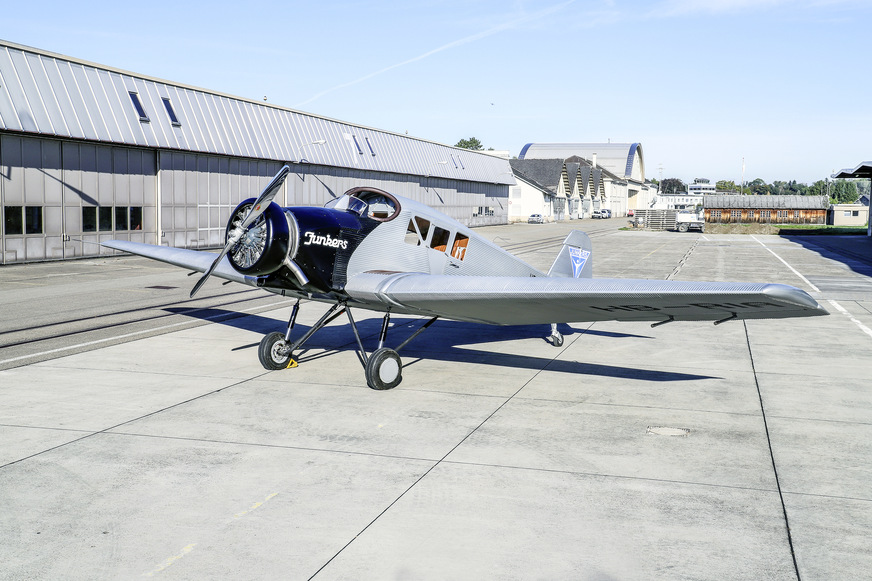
[(575, 259)]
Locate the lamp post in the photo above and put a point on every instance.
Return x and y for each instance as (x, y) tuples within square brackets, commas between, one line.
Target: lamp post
[(316, 142)]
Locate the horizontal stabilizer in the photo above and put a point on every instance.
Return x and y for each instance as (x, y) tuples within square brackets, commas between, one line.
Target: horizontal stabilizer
[(575, 259)]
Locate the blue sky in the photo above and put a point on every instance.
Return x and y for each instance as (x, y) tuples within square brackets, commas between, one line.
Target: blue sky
[(700, 84)]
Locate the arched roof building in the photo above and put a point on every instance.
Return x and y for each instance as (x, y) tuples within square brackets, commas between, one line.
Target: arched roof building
[(622, 159)]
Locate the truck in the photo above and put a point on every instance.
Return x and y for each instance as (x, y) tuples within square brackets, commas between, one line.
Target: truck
[(685, 221)]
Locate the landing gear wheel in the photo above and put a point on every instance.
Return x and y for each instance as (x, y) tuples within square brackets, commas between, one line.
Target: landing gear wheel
[(273, 352), (557, 339), (384, 369)]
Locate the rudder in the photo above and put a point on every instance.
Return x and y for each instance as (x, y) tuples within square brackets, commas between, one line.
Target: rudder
[(575, 259)]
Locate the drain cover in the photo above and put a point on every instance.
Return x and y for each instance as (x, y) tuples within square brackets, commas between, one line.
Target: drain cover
[(664, 431)]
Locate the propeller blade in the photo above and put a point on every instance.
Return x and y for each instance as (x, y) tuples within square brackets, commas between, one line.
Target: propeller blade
[(265, 197), (206, 276), (259, 207)]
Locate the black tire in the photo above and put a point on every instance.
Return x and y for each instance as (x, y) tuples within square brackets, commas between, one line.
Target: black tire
[(682, 227), (269, 352), (702, 229), (557, 340), (384, 369)]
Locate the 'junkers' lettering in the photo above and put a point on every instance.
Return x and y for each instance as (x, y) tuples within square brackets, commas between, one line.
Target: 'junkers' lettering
[(326, 240)]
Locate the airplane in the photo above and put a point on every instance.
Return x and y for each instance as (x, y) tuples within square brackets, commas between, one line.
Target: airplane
[(369, 249)]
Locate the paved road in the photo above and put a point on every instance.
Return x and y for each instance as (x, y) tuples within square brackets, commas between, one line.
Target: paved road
[(687, 451)]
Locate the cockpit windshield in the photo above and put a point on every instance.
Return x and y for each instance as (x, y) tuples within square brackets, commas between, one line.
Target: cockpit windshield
[(368, 203), (348, 204)]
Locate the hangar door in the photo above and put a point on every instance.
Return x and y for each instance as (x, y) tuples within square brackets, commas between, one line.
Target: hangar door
[(198, 193), (60, 198)]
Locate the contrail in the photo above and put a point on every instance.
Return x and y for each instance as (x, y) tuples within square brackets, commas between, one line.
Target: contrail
[(456, 43)]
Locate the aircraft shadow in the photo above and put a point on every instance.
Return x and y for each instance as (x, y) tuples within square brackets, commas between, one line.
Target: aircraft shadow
[(447, 340), (855, 251)]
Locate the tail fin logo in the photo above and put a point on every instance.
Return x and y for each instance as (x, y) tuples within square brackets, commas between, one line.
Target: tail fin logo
[(579, 258)]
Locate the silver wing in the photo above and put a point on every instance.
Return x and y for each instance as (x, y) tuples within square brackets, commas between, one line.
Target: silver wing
[(190, 259), (522, 300)]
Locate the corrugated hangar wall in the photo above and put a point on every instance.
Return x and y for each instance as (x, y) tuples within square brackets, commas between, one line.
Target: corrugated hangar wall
[(89, 153), (61, 197)]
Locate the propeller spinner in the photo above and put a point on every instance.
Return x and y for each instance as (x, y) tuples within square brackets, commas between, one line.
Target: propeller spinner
[(257, 209)]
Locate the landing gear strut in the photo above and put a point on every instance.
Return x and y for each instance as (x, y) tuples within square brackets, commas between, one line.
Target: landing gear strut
[(556, 336), (384, 368)]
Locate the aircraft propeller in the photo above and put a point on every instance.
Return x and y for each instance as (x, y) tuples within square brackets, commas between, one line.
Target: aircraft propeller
[(257, 209)]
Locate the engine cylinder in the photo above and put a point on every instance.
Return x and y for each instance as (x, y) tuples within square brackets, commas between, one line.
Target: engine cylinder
[(266, 244)]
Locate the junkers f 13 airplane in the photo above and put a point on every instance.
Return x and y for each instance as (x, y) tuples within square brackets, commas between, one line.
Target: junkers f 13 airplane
[(373, 250)]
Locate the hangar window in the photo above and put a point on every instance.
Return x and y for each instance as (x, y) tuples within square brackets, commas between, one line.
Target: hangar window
[(121, 218), (136, 217), (105, 219), (137, 104), (89, 219), (22, 220), (171, 112), (33, 220), (13, 224)]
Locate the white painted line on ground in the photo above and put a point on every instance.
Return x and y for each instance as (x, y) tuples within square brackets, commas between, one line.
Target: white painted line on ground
[(836, 305), (845, 312), (134, 334), (796, 272)]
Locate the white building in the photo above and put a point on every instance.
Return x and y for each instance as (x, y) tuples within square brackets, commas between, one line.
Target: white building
[(623, 164)]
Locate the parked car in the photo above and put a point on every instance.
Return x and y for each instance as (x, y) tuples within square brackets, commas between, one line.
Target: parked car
[(536, 219), (604, 213)]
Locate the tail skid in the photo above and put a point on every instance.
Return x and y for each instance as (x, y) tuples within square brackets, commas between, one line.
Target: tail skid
[(575, 259)]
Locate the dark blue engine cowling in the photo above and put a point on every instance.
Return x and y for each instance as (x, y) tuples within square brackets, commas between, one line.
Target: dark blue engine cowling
[(326, 239), (319, 241)]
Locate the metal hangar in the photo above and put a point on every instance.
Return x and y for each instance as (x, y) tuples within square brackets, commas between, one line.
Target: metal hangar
[(90, 153)]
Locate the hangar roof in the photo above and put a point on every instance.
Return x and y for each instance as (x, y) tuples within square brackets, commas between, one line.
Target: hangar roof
[(863, 170), (55, 95), (622, 159), (766, 202)]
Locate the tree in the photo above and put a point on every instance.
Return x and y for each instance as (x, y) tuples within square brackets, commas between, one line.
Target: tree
[(759, 187), (844, 192), (726, 186), (471, 143), (672, 186)]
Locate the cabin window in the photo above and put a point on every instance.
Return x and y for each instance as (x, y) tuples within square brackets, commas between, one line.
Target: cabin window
[(412, 236), (458, 249), (423, 227), (440, 239)]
